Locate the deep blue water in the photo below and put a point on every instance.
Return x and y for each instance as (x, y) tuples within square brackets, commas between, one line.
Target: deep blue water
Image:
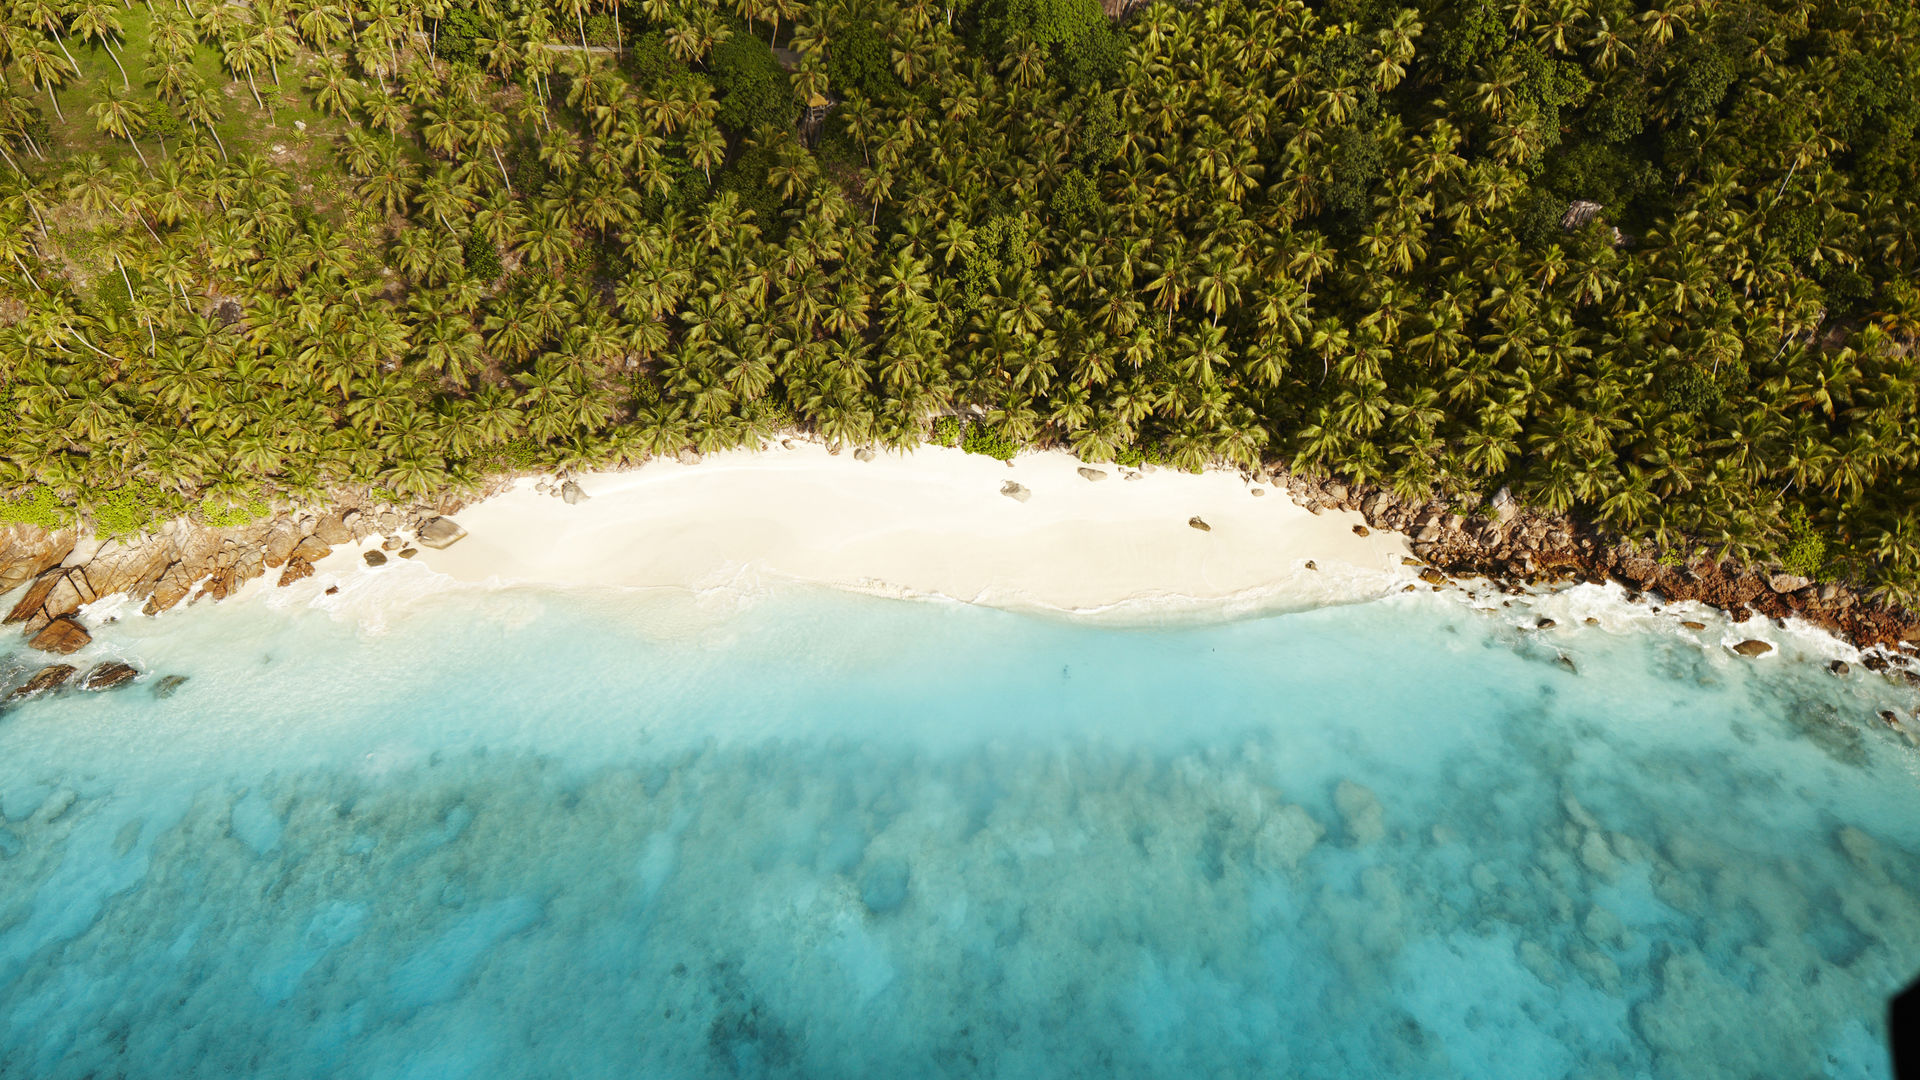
[(524, 833)]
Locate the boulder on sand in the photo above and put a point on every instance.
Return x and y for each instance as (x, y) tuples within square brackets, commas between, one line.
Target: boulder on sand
[(1194, 522), (374, 558), (440, 532), (1092, 474), (297, 568), (108, 675), (1753, 647), (49, 678), (572, 494), (63, 635), (1016, 492)]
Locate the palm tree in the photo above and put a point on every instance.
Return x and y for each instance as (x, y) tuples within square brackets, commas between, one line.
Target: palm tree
[(119, 116)]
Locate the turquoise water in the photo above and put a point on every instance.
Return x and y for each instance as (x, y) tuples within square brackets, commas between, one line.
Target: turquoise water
[(524, 833)]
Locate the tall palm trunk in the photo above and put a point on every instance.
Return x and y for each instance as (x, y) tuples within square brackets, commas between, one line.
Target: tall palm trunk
[(56, 104), (124, 83), (57, 40)]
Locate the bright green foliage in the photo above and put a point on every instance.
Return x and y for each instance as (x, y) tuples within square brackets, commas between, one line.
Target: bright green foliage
[(127, 509), (946, 431), (989, 442), (1806, 550), (222, 513), (37, 506)]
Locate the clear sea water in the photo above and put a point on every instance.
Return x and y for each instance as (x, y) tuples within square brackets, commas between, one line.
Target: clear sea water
[(523, 833)]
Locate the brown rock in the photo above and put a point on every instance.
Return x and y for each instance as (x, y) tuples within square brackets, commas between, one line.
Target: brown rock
[(29, 605), (330, 530), (1195, 523), (311, 549), (165, 595), (1786, 583), (1839, 667), (108, 675), (1361, 530), (281, 540), (1692, 625), (26, 553), (1753, 647), (374, 558), (47, 679), (297, 568), (62, 635), (440, 532), (1433, 577)]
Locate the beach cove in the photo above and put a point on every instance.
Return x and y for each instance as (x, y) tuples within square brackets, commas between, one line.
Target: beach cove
[(796, 764)]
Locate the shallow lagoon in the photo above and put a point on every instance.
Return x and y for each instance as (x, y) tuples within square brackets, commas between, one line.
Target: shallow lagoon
[(533, 833)]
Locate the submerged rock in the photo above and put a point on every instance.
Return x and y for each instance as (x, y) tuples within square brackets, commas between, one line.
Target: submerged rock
[(440, 532), (1753, 647), (1285, 838), (167, 685), (108, 675), (1365, 820), (63, 635), (47, 679), (1839, 667), (883, 887), (1016, 492)]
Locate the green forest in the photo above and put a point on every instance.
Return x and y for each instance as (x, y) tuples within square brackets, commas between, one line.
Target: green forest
[(1650, 262)]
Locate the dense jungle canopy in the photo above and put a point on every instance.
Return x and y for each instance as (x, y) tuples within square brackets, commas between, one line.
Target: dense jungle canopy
[(1648, 261)]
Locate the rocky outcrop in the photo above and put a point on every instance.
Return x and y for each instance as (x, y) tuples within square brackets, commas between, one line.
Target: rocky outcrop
[(1509, 543), (440, 532), (63, 635), (26, 553), (44, 681), (108, 675)]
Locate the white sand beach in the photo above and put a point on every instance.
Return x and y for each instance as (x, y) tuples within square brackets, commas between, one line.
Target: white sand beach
[(933, 522)]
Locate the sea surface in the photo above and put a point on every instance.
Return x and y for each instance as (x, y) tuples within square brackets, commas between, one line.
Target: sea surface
[(501, 833)]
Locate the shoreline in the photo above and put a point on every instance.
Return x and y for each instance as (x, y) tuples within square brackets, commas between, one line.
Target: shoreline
[(1038, 534), (1044, 533)]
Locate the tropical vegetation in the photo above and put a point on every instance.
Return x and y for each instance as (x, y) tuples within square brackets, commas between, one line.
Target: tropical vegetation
[(1651, 262)]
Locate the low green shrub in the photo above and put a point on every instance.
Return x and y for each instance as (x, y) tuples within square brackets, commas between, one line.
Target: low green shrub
[(127, 509), (990, 442), (37, 506), (946, 431), (223, 514)]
